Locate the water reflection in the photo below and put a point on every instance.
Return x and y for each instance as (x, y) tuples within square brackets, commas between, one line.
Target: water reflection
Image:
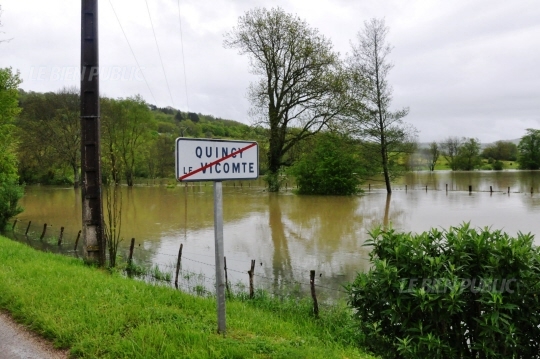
[(290, 235)]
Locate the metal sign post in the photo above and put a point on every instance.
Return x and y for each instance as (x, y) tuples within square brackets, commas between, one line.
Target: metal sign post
[(217, 161), (220, 275)]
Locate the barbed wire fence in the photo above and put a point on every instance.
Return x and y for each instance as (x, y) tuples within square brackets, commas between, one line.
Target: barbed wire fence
[(195, 276)]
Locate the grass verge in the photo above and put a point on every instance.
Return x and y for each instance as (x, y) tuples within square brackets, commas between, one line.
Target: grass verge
[(101, 315)]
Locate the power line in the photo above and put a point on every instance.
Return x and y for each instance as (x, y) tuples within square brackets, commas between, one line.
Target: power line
[(132, 52), (159, 52), (183, 57)]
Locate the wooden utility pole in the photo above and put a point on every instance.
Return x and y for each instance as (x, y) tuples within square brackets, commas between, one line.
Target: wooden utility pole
[(92, 208)]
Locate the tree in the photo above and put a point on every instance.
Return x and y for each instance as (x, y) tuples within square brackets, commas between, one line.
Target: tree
[(370, 117), (468, 157), (529, 150), (49, 132), (299, 79), (10, 191), (193, 117), (332, 167), (501, 151), (450, 147), (434, 155), (135, 123)]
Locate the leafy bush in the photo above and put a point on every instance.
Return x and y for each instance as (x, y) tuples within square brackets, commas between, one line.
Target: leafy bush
[(331, 168), (9, 197), (497, 165), (440, 294)]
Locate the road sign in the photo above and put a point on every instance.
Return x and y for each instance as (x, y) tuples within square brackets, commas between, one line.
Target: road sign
[(200, 159)]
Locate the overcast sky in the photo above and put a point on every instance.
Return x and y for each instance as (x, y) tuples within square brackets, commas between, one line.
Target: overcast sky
[(463, 67)]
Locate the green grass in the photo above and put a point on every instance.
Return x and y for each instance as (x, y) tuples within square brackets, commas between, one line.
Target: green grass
[(442, 164), (101, 315)]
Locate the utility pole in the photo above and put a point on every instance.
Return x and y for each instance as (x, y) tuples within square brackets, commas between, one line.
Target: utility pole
[(92, 207)]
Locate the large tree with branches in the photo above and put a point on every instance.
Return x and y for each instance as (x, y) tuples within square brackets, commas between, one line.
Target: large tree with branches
[(299, 86)]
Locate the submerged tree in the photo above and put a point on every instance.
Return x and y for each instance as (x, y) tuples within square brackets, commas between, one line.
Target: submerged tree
[(370, 116), (299, 79), (332, 167)]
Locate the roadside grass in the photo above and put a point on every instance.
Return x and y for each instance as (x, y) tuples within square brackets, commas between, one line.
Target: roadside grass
[(97, 314)]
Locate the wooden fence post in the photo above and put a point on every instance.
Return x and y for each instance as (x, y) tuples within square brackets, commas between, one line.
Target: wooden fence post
[(313, 294), (470, 189), (227, 288), (508, 190), (491, 189), (14, 224), (178, 262), (251, 272), (131, 247), (426, 188), (61, 235), (369, 187), (27, 228), (44, 230), (77, 241)]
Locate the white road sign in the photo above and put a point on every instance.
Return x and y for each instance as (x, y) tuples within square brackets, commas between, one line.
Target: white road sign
[(200, 159)]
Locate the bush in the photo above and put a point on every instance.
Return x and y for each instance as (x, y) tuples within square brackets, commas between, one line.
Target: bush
[(497, 165), (458, 293), (331, 168), (9, 197)]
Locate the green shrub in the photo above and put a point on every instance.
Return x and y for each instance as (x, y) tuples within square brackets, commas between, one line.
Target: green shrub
[(497, 165), (440, 294), (331, 168), (9, 198)]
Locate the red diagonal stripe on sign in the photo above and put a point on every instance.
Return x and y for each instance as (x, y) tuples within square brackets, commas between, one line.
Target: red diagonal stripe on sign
[(217, 161)]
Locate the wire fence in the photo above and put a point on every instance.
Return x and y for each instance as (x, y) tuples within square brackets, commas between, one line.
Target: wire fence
[(195, 275)]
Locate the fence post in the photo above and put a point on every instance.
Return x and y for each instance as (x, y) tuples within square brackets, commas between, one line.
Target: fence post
[(14, 224), (61, 235), (77, 241), (313, 294), (226, 277), (470, 189), (369, 187), (491, 189), (405, 188), (44, 230), (27, 228), (447, 187), (178, 262), (426, 188), (531, 190), (509, 191), (251, 272), (131, 246)]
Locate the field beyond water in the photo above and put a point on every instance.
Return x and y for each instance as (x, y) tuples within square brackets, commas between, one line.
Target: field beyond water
[(97, 314)]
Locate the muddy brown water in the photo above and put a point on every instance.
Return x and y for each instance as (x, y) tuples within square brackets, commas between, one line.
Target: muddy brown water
[(289, 235)]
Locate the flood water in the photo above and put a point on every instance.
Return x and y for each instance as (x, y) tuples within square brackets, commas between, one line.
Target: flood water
[(289, 235)]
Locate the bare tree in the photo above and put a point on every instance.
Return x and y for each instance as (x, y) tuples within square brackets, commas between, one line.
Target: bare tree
[(370, 118), (1, 32), (299, 84)]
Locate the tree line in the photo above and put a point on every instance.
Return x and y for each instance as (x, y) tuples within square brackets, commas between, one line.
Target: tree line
[(137, 139)]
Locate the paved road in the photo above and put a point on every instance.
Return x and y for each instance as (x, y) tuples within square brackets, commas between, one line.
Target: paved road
[(18, 343)]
